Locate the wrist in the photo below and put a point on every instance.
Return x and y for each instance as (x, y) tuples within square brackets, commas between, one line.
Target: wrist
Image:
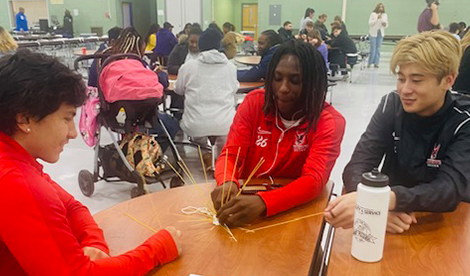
[(262, 206), (393, 201)]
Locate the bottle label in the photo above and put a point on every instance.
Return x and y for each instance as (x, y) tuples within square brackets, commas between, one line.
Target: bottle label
[(367, 211), (362, 232)]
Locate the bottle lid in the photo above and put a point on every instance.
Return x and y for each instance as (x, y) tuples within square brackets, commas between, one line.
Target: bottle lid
[(374, 179)]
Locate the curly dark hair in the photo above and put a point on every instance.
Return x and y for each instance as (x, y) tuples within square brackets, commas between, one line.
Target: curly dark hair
[(314, 79), (35, 85)]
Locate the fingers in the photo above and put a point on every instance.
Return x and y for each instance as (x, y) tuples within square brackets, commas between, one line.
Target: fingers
[(216, 196), (227, 210), (413, 217), (399, 222)]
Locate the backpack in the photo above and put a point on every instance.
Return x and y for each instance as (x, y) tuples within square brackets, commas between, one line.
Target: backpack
[(143, 153), (88, 126), (129, 80)]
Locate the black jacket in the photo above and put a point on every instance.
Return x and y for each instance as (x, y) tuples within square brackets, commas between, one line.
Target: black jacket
[(285, 34), (426, 158), (462, 83), (344, 43), (177, 58)]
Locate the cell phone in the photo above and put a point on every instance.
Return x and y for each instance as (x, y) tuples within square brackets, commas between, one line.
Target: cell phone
[(433, 2)]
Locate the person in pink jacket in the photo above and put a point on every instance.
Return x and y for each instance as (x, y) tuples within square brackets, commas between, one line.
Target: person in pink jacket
[(43, 229)]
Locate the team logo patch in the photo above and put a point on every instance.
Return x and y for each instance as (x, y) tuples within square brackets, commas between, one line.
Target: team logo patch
[(432, 161), (300, 144)]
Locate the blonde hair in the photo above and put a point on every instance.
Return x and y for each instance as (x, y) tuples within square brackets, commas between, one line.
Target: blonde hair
[(438, 52), (465, 42), (7, 44)]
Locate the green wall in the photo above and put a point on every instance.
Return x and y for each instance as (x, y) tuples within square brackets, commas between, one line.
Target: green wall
[(4, 18), (223, 11), (90, 14)]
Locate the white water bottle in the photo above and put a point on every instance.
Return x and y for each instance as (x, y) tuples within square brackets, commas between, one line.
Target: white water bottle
[(370, 217)]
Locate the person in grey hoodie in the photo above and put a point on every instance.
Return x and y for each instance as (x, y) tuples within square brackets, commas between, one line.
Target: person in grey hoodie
[(209, 84)]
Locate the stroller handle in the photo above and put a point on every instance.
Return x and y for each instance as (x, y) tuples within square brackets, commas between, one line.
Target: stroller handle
[(87, 57)]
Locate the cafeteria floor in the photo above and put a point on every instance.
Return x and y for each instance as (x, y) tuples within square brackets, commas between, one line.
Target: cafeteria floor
[(357, 102)]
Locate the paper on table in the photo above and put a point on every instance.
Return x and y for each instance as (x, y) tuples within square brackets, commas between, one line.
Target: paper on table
[(194, 275)]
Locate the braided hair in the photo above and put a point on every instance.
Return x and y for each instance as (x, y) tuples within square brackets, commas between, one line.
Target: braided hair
[(314, 80), (128, 42)]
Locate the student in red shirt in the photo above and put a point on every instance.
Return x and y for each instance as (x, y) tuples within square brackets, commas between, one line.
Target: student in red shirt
[(291, 127), (43, 229)]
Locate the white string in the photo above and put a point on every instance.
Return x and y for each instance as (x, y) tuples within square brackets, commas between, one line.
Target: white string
[(191, 210)]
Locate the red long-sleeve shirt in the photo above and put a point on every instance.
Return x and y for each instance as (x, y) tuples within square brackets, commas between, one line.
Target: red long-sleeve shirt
[(293, 153), (43, 229)]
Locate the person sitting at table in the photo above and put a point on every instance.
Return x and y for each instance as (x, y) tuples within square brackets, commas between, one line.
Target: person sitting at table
[(290, 125), (462, 83), (268, 42), (320, 26), (113, 35), (151, 38), (285, 32), (230, 40), (166, 41), (208, 84), (8, 45), (314, 38), (43, 229), (341, 45), (310, 26), (184, 51), (422, 131)]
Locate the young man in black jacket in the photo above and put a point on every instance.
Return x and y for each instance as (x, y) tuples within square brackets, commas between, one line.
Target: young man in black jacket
[(422, 131), (184, 51), (285, 32)]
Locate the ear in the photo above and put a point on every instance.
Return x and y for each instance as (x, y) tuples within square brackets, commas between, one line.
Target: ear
[(448, 81), (23, 123)]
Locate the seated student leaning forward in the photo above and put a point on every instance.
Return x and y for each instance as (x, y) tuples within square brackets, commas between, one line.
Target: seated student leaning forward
[(291, 127), (424, 132), (43, 229)]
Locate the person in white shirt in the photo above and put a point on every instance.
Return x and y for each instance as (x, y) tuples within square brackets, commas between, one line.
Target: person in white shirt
[(209, 84), (309, 13), (378, 21)]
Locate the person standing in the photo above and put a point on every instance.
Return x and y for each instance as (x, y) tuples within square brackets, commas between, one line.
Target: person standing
[(320, 26), (68, 24), (309, 13), (429, 18), (21, 21), (378, 21), (230, 40)]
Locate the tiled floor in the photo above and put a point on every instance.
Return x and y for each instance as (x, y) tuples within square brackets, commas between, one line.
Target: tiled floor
[(356, 101)]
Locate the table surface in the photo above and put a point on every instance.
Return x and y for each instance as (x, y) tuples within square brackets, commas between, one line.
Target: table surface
[(438, 245), (244, 86), (282, 250), (248, 60)]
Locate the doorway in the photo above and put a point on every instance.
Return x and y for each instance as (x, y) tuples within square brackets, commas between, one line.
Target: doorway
[(127, 18), (250, 18)]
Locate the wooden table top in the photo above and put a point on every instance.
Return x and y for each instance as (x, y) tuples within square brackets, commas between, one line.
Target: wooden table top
[(282, 250), (438, 245), (248, 60), (244, 86)]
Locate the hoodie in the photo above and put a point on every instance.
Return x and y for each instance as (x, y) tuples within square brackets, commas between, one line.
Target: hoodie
[(209, 84)]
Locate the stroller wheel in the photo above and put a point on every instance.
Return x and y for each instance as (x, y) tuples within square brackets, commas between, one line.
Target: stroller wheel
[(135, 192), (176, 182), (86, 182)]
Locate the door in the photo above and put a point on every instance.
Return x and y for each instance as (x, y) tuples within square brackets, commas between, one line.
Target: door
[(250, 18), (127, 19), (180, 12)]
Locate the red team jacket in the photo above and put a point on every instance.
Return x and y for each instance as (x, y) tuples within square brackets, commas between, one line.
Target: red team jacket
[(43, 229), (307, 156)]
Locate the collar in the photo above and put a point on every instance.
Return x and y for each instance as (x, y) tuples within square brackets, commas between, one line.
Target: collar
[(19, 151)]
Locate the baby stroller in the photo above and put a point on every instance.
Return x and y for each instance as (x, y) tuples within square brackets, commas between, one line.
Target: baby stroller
[(111, 159)]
